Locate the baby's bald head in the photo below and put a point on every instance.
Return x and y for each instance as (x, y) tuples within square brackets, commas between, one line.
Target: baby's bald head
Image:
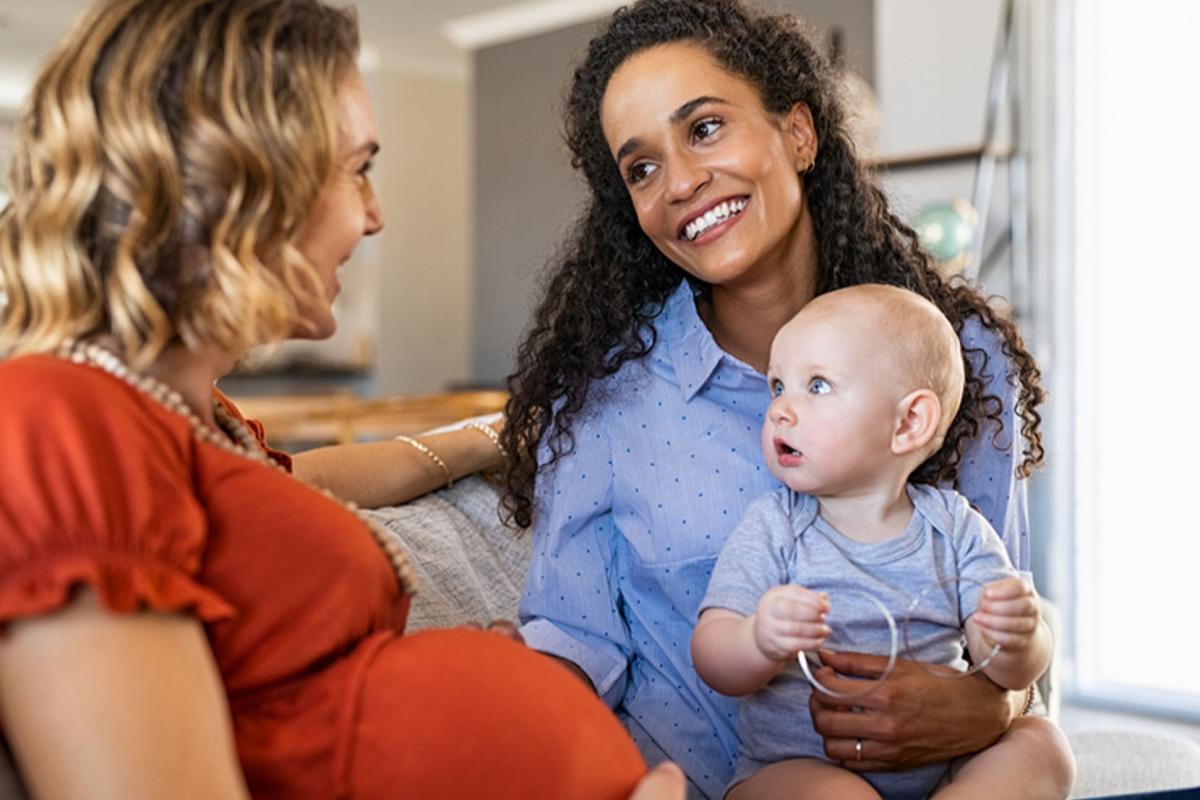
[(924, 351)]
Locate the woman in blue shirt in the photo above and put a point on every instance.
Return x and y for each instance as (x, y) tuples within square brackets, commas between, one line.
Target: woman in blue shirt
[(725, 194)]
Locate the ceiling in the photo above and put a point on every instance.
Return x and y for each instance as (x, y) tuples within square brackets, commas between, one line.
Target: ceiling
[(399, 34)]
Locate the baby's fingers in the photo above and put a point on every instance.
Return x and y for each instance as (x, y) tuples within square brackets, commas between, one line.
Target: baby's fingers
[(1011, 633), (806, 643), (817, 601), (1006, 589), (780, 639), (803, 605), (808, 634), (1025, 606)]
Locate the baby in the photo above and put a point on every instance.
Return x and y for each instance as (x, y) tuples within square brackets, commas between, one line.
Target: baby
[(866, 382)]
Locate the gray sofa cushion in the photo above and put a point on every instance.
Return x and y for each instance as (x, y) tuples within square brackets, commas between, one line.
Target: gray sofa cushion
[(1119, 762), (471, 568)]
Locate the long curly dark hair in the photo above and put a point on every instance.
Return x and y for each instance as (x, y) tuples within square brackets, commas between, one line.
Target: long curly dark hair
[(609, 282)]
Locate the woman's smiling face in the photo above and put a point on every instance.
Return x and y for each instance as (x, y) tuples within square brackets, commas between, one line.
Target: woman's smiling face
[(346, 209), (711, 173)]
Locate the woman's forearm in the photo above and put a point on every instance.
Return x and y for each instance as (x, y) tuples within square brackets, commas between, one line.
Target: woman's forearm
[(374, 474)]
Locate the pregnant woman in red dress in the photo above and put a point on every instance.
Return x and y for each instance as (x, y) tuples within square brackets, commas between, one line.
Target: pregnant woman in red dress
[(181, 616)]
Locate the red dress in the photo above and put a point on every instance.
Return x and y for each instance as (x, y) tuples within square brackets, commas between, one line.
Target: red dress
[(104, 486)]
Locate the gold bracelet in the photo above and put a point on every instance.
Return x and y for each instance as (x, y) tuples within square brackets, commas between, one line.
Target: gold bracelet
[(434, 457), (489, 432)]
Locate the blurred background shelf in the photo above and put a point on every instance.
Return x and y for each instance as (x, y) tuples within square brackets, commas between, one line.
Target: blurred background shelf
[(934, 158), (298, 422)]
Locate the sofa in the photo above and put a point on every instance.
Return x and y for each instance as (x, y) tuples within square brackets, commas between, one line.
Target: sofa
[(471, 568)]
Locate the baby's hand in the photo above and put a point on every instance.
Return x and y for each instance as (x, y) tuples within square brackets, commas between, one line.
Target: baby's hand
[(789, 619), (1008, 614)]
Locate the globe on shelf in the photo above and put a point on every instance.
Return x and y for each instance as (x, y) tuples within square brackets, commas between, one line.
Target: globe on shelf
[(945, 230)]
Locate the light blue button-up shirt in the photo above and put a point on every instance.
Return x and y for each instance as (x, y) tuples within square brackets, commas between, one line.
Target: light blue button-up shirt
[(629, 526)]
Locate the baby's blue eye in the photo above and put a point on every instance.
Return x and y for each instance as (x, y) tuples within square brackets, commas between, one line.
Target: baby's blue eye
[(776, 388), (819, 386)]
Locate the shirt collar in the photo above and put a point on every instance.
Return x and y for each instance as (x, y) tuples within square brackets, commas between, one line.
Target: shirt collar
[(802, 509), (931, 504), (692, 350), (927, 500)]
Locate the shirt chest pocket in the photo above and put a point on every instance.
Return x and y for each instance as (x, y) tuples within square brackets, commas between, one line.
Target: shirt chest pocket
[(679, 585), (685, 505)]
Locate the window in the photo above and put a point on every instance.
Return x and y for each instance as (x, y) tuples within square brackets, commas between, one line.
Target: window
[(1136, 341)]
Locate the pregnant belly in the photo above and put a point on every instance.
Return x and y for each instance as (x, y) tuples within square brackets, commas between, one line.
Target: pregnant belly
[(462, 713)]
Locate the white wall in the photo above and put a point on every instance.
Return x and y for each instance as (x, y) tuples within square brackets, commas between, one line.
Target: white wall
[(423, 254), (932, 59)]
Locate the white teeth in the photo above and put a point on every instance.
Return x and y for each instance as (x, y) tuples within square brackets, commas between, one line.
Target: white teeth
[(715, 215)]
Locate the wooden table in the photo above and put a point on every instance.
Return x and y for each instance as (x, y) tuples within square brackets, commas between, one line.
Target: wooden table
[(339, 418)]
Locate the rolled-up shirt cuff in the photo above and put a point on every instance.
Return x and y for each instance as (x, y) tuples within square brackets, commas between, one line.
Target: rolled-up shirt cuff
[(605, 671)]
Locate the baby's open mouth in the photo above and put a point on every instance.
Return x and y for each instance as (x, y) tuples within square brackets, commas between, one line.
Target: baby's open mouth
[(782, 448)]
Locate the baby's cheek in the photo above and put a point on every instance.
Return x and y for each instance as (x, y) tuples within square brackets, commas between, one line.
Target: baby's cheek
[(769, 456), (767, 442)]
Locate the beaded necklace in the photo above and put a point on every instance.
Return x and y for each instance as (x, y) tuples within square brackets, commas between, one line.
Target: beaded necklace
[(243, 442)]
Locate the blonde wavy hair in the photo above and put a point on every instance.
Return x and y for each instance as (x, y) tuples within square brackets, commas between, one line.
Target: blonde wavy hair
[(164, 166)]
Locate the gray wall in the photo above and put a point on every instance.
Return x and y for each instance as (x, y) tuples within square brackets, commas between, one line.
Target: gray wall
[(525, 190), (525, 193)]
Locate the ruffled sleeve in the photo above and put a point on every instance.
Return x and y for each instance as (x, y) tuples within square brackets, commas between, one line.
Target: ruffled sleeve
[(255, 427), (96, 490)]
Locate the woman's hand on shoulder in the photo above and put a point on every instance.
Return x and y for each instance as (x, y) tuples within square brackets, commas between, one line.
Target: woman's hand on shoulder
[(104, 705), (914, 718)]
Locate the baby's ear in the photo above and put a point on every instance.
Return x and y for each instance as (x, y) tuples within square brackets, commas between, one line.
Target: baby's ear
[(918, 417)]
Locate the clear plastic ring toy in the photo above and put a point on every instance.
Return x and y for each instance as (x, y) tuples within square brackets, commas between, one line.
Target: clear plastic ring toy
[(939, 670), (871, 686)]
